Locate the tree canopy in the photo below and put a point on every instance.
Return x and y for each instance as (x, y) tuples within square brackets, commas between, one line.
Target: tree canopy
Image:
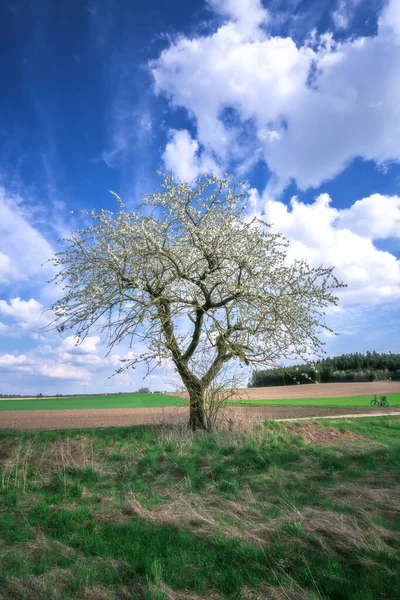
[(195, 278)]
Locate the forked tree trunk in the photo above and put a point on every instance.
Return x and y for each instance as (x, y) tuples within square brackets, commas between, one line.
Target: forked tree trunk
[(197, 419)]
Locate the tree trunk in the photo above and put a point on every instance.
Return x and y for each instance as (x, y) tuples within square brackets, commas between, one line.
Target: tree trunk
[(197, 419)]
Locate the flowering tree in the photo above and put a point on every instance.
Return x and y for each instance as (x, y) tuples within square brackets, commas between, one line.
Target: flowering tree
[(197, 280)]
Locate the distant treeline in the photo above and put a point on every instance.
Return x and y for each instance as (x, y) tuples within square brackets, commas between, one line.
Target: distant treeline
[(371, 366), (40, 395)]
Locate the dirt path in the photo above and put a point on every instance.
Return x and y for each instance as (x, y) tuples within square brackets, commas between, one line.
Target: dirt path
[(35, 420), (353, 416)]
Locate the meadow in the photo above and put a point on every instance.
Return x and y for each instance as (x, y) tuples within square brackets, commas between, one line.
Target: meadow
[(273, 510)]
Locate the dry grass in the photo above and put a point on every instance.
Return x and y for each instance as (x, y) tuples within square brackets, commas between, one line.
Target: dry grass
[(344, 534), (170, 594), (270, 592), (55, 585), (319, 435), (332, 532), (204, 515), (384, 501), (19, 455)]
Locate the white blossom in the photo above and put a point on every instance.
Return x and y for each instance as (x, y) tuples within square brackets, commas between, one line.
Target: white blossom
[(192, 276)]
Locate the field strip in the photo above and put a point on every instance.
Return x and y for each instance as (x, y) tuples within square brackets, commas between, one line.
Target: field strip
[(354, 416), (37, 420), (321, 390)]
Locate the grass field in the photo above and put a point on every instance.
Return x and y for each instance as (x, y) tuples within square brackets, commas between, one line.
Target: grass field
[(76, 402), (282, 511), (393, 399), (160, 400)]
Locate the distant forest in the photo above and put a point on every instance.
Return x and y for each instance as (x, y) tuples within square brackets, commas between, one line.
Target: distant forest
[(371, 366)]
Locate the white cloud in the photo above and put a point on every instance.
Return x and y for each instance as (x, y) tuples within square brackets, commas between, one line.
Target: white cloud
[(375, 217), (50, 367), (389, 22), (340, 16), (64, 371), (85, 354), (4, 329), (248, 15), (314, 107), (323, 234), (27, 314), (88, 360), (344, 13), (183, 158), (23, 249), (14, 361), (6, 269), (87, 346), (117, 359)]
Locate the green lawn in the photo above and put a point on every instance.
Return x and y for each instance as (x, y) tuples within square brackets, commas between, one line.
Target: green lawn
[(128, 401), (158, 513), (393, 399)]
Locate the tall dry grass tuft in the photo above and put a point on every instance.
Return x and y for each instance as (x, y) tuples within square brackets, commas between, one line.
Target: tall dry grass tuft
[(34, 460), (15, 466)]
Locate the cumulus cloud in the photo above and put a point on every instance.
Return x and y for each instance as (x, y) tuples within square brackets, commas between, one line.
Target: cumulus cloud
[(313, 107), (87, 353), (48, 367), (8, 361), (183, 158), (26, 314), (248, 15), (72, 345), (117, 360), (23, 249), (376, 217), (389, 21), (63, 370), (342, 238)]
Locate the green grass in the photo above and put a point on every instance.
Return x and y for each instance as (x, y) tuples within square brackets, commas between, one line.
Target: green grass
[(76, 402), (159, 512), (348, 401), (160, 400)]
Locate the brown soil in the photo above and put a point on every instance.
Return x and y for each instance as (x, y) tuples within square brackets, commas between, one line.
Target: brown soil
[(119, 417), (320, 390)]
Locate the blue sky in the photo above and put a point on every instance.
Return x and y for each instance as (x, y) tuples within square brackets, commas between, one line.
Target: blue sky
[(302, 98)]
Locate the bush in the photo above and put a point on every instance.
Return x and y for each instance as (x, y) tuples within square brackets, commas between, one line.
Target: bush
[(361, 376)]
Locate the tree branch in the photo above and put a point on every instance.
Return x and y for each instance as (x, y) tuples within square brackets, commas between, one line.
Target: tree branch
[(196, 335)]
